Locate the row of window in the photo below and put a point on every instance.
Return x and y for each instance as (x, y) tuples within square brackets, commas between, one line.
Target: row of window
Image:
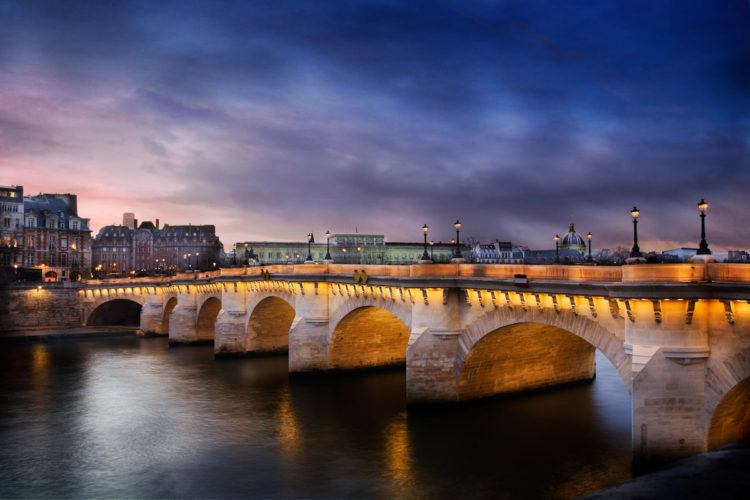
[(50, 223), (10, 208)]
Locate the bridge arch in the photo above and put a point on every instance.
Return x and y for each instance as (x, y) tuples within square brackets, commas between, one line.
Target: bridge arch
[(368, 336), (268, 324), (206, 319), (728, 396), (507, 350), (169, 306), (116, 311)]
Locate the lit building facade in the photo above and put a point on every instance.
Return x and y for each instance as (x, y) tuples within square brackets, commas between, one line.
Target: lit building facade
[(130, 249), (499, 252), (43, 236), (345, 248)]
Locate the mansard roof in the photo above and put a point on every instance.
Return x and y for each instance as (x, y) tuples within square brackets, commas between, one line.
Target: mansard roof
[(62, 205)]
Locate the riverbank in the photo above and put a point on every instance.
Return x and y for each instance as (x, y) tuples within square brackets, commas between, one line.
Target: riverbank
[(45, 334), (721, 473)]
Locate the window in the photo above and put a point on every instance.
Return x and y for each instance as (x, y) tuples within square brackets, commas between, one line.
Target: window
[(31, 242), (75, 225), (63, 243), (51, 259), (74, 260), (63, 259), (30, 260), (51, 242), (6, 221), (6, 241)]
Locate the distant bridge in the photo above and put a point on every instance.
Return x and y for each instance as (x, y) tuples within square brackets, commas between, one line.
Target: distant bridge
[(678, 334)]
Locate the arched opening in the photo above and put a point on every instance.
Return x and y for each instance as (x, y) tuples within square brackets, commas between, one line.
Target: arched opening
[(50, 276), (368, 337), (207, 318), (268, 326), (116, 312), (75, 276), (524, 356), (730, 421), (168, 308)]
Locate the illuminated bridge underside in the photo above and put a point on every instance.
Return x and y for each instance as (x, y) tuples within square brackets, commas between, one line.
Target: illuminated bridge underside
[(679, 335), (525, 356)]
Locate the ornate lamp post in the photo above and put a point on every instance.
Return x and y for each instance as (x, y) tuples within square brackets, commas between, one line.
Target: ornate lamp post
[(703, 246), (590, 259), (425, 257), (636, 252), (557, 249), (432, 250), (328, 246), (457, 254), (309, 255)]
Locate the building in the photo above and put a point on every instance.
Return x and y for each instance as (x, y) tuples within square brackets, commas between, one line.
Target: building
[(43, 236), (573, 241), (738, 256), (682, 254), (12, 235), (499, 252), (131, 249), (345, 248)]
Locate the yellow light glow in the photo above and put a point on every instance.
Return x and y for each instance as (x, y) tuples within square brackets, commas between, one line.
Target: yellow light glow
[(702, 206), (635, 212)]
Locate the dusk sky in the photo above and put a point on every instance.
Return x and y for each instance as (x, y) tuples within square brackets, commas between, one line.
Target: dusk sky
[(274, 119)]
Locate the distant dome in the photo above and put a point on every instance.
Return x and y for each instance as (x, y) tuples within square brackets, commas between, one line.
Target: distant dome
[(573, 241)]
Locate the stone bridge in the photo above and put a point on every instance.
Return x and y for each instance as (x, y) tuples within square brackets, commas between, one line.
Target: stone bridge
[(678, 334)]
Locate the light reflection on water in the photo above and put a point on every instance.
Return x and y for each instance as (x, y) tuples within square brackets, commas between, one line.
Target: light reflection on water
[(130, 417)]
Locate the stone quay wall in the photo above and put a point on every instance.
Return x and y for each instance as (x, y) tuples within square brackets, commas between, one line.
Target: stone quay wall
[(26, 306)]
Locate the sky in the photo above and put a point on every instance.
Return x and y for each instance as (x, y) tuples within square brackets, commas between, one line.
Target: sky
[(273, 119)]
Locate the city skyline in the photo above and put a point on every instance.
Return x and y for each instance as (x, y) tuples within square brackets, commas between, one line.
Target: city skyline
[(270, 122)]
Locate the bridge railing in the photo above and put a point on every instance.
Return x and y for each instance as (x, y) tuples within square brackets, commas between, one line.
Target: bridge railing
[(644, 273)]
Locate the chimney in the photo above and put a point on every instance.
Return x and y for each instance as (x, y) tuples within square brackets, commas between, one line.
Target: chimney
[(128, 219), (157, 223), (135, 223)]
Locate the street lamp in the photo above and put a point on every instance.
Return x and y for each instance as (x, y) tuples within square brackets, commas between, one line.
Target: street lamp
[(636, 252), (703, 247), (432, 250), (197, 261), (309, 255), (457, 254), (557, 249), (589, 237), (328, 246), (425, 256)]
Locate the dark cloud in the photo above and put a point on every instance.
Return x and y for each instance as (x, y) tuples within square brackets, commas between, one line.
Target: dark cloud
[(514, 116)]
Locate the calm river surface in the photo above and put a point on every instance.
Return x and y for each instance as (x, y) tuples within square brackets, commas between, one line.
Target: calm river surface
[(130, 417)]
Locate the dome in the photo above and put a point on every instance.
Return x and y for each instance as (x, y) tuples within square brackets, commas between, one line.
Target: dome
[(573, 241)]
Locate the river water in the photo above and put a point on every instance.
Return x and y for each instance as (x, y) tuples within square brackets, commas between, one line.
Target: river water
[(131, 417)]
